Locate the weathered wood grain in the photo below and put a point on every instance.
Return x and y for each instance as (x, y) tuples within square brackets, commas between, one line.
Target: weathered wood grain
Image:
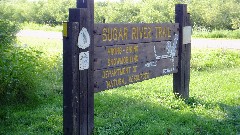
[(181, 79), (71, 81), (127, 73), (155, 55), (114, 34), (114, 56)]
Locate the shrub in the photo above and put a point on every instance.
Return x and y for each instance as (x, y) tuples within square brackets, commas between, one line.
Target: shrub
[(7, 33), (18, 74), (18, 80), (214, 14)]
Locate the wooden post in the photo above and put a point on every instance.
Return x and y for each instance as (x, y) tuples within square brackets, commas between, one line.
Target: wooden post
[(70, 81), (78, 100), (182, 77)]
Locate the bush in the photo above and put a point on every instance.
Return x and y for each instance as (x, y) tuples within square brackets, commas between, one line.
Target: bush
[(18, 80), (214, 14), (18, 74), (211, 14), (8, 31)]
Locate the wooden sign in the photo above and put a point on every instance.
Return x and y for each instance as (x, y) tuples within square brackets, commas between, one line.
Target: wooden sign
[(129, 53), (99, 57)]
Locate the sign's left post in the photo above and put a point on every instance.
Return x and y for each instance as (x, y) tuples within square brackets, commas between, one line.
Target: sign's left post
[(78, 94)]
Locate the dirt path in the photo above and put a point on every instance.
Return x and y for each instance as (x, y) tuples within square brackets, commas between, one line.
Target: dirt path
[(196, 42), (40, 34)]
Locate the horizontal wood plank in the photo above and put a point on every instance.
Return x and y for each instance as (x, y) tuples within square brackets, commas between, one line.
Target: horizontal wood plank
[(118, 55), (113, 34), (120, 76)]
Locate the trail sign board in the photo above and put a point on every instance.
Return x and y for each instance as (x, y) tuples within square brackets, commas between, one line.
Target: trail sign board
[(129, 53), (99, 57)]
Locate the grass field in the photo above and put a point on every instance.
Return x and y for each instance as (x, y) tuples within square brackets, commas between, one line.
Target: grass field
[(146, 108), (229, 34)]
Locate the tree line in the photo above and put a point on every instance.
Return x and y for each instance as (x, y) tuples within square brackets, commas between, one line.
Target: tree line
[(212, 14)]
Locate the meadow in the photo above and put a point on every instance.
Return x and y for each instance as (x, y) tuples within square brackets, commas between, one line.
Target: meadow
[(148, 107)]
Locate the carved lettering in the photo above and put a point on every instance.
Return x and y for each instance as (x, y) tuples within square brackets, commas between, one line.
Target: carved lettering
[(149, 32), (141, 32), (134, 69), (115, 82), (120, 35), (162, 32), (125, 35), (114, 34), (122, 60), (134, 33), (138, 77), (116, 72), (104, 34), (114, 50)]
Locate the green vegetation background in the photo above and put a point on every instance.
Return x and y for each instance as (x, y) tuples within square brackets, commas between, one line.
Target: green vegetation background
[(31, 74), (205, 14)]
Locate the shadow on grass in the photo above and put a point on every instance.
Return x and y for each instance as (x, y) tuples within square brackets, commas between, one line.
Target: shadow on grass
[(43, 117), (126, 115), (232, 112)]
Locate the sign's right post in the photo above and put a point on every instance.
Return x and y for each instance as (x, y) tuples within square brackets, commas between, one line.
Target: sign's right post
[(181, 79)]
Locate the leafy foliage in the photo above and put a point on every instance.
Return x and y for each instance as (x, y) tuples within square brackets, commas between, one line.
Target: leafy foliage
[(18, 73), (18, 78), (213, 14), (7, 33), (50, 12)]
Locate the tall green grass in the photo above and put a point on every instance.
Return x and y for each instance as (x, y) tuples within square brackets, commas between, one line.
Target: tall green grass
[(28, 69), (208, 59), (51, 63), (45, 27), (149, 107), (18, 64), (229, 34)]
